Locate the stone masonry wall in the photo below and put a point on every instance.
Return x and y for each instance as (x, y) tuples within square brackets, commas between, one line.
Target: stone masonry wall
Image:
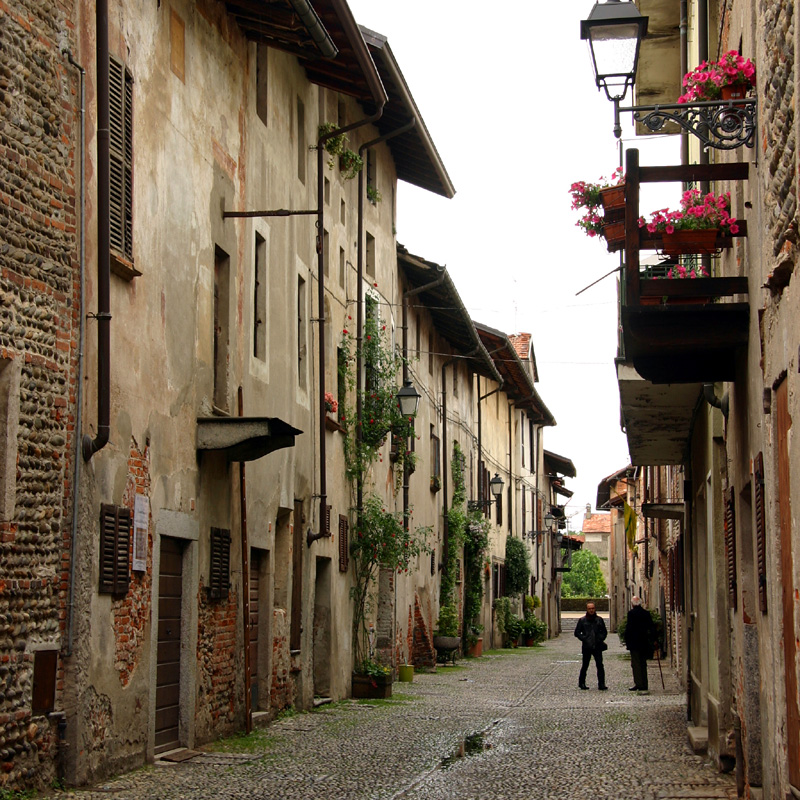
[(38, 125), (776, 83)]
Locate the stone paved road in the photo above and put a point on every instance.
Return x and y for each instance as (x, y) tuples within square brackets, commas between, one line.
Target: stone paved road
[(503, 727)]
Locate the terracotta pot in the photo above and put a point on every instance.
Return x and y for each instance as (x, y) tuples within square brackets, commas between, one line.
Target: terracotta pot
[(476, 650), (372, 687), (735, 92), (690, 242)]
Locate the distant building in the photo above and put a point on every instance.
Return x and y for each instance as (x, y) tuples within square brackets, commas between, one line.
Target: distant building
[(596, 532)]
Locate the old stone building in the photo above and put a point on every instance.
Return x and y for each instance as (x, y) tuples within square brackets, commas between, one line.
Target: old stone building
[(709, 391)]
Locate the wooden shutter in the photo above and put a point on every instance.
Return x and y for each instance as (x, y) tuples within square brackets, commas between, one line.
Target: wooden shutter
[(115, 541), (344, 552), (328, 520), (761, 534), (121, 154), (219, 570), (730, 545)]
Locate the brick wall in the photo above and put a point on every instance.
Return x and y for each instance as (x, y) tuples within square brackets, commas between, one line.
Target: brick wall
[(219, 693), (38, 319), (132, 612)]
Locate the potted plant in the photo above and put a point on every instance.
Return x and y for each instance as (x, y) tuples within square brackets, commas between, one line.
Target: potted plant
[(371, 680), (445, 637), (608, 195), (696, 226), (373, 195), (350, 163), (732, 77)]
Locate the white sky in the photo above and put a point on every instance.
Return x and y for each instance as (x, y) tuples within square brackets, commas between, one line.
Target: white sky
[(510, 102)]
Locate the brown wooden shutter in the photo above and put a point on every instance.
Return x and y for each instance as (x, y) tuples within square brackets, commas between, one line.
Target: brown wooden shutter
[(115, 541), (730, 545), (344, 552), (219, 570), (761, 534), (121, 154)]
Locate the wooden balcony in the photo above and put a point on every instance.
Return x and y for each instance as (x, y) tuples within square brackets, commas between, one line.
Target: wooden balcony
[(679, 331)]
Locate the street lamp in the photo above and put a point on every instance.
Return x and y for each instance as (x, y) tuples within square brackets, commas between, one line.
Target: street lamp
[(408, 399), (549, 519), (496, 486), (615, 30)]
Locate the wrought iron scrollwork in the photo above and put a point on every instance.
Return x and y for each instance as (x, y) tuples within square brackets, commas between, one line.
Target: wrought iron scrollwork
[(723, 125)]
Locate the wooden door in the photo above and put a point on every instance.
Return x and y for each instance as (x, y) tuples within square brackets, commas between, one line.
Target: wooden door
[(254, 575), (784, 422), (168, 658)]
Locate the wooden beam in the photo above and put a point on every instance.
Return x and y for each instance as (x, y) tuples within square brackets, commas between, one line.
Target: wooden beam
[(695, 172)]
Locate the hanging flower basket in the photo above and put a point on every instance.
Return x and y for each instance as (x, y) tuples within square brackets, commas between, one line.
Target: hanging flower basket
[(614, 233), (685, 242)]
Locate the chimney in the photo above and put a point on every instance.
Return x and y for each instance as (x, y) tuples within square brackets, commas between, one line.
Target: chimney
[(588, 514)]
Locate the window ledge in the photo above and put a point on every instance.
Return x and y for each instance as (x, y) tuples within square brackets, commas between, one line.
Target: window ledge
[(123, 268)]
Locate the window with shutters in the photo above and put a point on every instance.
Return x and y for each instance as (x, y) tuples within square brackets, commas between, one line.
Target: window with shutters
[(115, 542), (219, 569), (730, 545), (120, 91), (344, 544), (761, 540)]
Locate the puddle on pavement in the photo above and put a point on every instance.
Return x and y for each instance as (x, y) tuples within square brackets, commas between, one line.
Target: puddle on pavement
[(470, 746)]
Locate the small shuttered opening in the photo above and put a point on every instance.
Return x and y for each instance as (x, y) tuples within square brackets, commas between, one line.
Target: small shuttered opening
[(761, 534), (344, 552), (115, 540), (730, 545), (219, 570), (120, 90)]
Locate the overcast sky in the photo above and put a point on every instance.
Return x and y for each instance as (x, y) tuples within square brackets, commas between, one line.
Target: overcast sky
[(508, 95)]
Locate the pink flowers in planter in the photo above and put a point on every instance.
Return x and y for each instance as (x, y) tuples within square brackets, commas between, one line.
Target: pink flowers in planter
[(697, 212), (588, 196), (331, 404), (706, 81)]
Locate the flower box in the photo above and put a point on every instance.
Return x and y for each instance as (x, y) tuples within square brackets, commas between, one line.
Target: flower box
[(614, 234), (684, 242), (332, 425), (372, 687), (613, 200)]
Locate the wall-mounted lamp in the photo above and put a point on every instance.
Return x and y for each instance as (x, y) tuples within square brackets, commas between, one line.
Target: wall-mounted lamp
[(496, 485), (408, 399)]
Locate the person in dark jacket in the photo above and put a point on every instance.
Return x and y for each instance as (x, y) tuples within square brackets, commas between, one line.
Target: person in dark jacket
[(591, 630), (640, 636)]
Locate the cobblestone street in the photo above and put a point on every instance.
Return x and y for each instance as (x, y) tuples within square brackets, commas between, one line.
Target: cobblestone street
[(507, 726)]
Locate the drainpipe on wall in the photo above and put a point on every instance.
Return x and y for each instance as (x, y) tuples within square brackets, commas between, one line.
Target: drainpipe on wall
[(76, 479), (311, 537), (103, 315), (684, 47)]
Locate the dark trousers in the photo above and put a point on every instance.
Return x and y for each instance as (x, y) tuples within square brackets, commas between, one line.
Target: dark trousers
[(639, 667), (598, 661)]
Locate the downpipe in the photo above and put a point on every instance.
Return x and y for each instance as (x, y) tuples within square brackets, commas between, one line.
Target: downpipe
[(722, 403)]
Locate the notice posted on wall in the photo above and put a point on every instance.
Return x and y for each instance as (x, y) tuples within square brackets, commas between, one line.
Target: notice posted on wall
[(141, 517)]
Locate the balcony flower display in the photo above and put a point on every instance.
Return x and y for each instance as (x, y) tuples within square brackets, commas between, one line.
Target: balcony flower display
[(697, 212), (606, 194), (693, 229), (708, 80)]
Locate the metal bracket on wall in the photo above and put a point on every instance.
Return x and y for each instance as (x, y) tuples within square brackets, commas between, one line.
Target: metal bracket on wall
[(722, 125)]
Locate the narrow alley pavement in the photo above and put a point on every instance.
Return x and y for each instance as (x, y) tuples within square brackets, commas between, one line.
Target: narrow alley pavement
[(506, 726)]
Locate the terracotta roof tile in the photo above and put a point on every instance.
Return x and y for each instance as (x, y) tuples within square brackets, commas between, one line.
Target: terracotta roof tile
[(597, 523)]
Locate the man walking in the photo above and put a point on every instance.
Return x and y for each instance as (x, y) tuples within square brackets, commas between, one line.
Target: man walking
[(591, 630), (640, 634)]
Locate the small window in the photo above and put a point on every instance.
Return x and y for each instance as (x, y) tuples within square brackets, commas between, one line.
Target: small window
[(372, 177), (302, 149), (433, 561), (342, 265), (341, 379), (301, 332), (222, 269), (342, 212), (220, 564), (499, 509), (115, 544), (177, 56), (326, 266), (120, 91), (260, 300), (9, 425), (261, 82), (344, 546), (436, 464), (370, 256)]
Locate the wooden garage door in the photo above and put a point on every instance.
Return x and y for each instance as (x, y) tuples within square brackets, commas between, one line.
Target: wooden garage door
[(168, 663), (254, 572)]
